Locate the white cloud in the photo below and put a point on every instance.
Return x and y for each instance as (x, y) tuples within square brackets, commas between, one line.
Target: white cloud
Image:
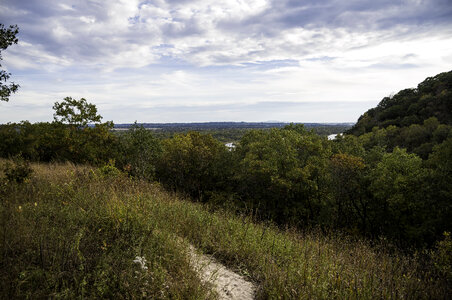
[(209, 32), (226, 52), (64, 6), (88, 19)]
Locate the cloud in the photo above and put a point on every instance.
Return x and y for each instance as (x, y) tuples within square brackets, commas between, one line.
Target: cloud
[(191, 53), (214, 32), (360, 15), (264, 111)]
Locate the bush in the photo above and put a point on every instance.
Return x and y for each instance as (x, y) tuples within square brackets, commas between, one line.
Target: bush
[(138, 152), (18, 171), (109, 170)]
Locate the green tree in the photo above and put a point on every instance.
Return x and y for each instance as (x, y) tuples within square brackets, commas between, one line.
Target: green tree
[(347, 174), (139, 152), (75, 112), (400, 199), (79, 142), (269, 171), (7, 38), (282, 173), (194, 163), (349, 144), (440, 161)]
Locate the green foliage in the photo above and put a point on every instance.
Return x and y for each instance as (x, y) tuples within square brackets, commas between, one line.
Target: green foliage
[(227, 132), (432, 98), (415, 119), (97, 144), (71, 235), (56, 141), (75, 112), (364, 185), (416, 138), (7, 38), (290, 175), (441, 157), (268, 169), (351, 205), (396, 185), (440, 188), (281, 172), (194, 164), (349, 144), (392, 181), (393, 173), (109, 170), (18, 170), (139, 152), (66, 234)]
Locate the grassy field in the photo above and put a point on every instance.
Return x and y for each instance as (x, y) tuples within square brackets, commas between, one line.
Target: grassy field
[(70, 231)]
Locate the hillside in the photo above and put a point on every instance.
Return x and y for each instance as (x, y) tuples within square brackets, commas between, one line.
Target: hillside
[(415, 119), (431, 98), (72, 231)]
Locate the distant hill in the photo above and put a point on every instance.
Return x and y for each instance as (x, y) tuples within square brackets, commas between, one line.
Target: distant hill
[(226, 125), (230, 131), (431, 98)]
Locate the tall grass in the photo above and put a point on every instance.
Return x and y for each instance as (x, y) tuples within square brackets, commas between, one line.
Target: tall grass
[(68, 232), (291, 265), (73, 231)]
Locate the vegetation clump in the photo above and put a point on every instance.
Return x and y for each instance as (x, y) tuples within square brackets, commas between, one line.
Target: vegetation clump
[(68, 232), (416, 119), (17, 170)]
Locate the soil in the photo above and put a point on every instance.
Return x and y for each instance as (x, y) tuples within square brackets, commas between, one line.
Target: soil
[(228, 284)]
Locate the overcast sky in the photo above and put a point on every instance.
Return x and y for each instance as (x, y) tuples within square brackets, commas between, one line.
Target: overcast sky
[(221, 60)]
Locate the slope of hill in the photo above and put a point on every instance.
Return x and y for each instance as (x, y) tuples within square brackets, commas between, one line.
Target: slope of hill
[(95, 233), (431, 98)]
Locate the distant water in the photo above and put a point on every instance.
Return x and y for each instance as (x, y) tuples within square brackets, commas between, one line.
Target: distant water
[(333, 136), (230, 145)]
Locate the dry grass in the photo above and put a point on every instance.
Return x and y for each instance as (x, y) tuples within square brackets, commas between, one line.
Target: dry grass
[(68, 232), (71, 231)]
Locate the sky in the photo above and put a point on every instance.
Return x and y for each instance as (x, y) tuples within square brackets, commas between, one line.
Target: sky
[(221, 60)]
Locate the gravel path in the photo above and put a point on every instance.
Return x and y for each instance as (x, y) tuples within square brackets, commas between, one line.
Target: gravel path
[(229, 285)]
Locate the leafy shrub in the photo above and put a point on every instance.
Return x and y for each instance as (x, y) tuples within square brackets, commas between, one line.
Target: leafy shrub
[(194, 164), (139, 151), (109, 170), (18, 171)]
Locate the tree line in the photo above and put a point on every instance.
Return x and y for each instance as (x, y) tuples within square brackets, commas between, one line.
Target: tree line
[(361, 184)]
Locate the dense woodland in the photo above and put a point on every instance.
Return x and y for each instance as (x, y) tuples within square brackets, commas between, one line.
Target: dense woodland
[(389, 177)]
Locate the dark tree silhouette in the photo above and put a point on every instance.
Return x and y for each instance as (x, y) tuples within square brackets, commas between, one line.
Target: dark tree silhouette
[(7, 38)]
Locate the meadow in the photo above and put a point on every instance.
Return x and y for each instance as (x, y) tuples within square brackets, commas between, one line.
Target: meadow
[(71, 231)]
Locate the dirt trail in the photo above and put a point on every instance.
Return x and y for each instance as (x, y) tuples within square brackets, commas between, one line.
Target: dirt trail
[(228, 284)]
